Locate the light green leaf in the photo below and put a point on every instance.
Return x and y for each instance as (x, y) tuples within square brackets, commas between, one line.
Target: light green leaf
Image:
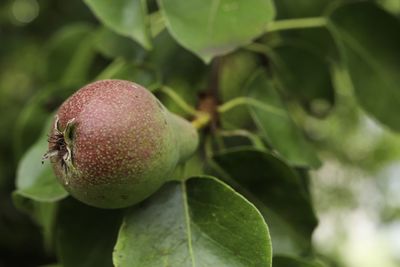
[(278, 194), (126, 17), (157, 23), (369, 39), (276, 125), (200, 222), (210, 28), (36, 180)]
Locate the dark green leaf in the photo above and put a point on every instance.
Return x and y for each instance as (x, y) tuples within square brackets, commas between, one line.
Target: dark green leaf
[(73, 45), (122, 69), (36, 180), (369, 40), (235, 70), (179, 69), (113, 45), (288, 9), (275, 124), (176, 63), (43, 214), (241, 138), (318, 40), (86, 235), (278, 189), (306, 76), (31, 120), (126, 17), (305, 179), (199, 222), (210, 28), (285, 261)]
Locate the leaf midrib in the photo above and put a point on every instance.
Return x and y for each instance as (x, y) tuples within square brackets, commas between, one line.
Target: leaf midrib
[(187, 221), (189, 229), (213, 14)]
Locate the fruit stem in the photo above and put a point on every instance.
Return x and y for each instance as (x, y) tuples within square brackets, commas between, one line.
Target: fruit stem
[(179, 100), (201, 120), (289, 24), (239, 101)]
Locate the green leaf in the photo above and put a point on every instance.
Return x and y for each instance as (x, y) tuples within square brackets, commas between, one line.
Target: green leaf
[(198, 222), (288, 9), (210, 28), (392, 6), (293, 65), (240, 138), (235, 70), (86, 235), (285, 261), (43, 213), (122, 69), (36, 180), (73, 45), (187, 68), (113, 45), (179, 69), (275, 124), (279, 194), (31, 119), (126, 17), (319, 40), (369, 39), (157, 23), (194, 166)]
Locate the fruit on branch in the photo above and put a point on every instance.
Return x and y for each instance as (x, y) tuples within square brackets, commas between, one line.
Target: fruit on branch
[(113, 144)]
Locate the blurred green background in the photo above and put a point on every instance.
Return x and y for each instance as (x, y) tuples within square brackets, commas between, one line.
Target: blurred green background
[(27, 96), (42, 62)]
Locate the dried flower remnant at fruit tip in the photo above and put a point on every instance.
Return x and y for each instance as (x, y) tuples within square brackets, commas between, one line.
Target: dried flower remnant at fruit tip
[(60, 144)]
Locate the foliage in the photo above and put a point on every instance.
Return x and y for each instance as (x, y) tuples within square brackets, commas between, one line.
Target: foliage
[(259, 68)]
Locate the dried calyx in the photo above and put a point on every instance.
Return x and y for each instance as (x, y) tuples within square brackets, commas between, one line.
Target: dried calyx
[(60, 144)]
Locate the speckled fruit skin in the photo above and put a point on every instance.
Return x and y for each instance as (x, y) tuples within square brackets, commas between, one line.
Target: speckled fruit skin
[(124, 144)]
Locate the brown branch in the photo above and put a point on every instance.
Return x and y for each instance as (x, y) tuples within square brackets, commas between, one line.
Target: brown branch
[(209, 100)]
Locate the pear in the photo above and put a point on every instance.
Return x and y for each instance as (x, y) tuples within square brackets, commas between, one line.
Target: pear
[(113, 144)]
